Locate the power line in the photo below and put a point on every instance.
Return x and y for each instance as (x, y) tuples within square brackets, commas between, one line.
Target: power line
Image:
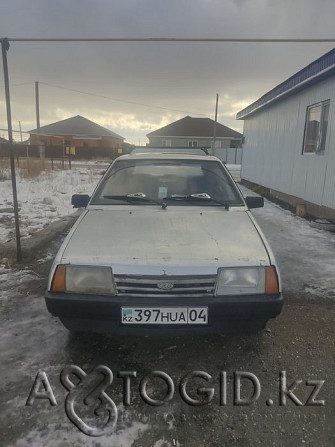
[(119, 100), (171, 39), (109, 98), (17, 131), (18, 85), (21, 83)]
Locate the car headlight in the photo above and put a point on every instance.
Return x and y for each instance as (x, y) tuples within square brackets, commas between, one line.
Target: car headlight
[(83, 279), (247, 281)]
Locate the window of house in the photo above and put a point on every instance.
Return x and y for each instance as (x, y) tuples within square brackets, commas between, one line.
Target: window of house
[(316, 128), (193, 143), (166, 143), (218, 144)]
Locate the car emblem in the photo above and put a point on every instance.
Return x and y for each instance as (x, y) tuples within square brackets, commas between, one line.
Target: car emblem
[(165, 285)]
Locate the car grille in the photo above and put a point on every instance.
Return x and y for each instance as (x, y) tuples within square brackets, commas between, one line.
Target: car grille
[(165, 286)]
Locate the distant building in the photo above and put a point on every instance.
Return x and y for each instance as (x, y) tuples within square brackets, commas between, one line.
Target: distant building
[(194, 132), (85, 135), (289, 139)]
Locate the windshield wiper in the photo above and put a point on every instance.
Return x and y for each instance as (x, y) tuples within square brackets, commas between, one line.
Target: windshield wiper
[(203, 196), (136, 197)]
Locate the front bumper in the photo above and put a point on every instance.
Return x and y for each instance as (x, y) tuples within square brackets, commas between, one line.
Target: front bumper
[(100, 313)]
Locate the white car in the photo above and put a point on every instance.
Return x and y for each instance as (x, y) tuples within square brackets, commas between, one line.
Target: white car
[(166, 243)]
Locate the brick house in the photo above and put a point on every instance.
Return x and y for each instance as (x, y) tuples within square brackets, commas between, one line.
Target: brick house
[(89, 138)]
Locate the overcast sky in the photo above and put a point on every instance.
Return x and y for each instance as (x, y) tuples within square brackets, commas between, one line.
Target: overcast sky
[(174, 79)]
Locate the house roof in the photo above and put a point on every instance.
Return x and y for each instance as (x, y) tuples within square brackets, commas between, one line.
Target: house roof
[(76, 126), (317, 71), (194, 127)]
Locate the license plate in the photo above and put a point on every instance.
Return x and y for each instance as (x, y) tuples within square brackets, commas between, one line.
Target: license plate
[(164, 315)]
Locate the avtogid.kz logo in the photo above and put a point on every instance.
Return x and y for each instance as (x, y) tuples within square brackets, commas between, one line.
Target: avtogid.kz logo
[(92, 411)]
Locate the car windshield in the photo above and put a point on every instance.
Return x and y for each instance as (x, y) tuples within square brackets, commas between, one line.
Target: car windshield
[(142, 182)]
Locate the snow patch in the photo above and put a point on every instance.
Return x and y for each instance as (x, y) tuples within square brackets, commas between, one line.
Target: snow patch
[(43, 199), (57, 435)]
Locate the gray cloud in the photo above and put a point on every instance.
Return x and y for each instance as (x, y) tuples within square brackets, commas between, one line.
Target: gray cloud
[(183, 76)]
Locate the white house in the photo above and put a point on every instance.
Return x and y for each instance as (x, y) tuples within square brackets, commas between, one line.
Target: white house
[(289, 139)]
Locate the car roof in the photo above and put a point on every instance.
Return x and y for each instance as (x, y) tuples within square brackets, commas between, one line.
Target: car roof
[(167, 156), (170, 150)]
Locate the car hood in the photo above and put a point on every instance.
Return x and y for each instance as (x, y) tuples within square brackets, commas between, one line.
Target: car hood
[(177, 236)]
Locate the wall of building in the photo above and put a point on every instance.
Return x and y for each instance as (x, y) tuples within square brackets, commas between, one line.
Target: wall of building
[(183, 142), (111, 142), (272, 152), (105, 141)]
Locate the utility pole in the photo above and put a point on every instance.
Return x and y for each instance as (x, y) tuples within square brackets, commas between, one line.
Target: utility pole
[(20, 131), (37, 101), (5, 48), (215, 121), (38, 125)]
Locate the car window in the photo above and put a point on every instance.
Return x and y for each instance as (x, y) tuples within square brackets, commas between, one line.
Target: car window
[(158, 179)]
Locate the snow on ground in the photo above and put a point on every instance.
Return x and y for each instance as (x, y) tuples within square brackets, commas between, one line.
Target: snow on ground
[(60, 436), (12, 281), (305, 254), (45, 198)]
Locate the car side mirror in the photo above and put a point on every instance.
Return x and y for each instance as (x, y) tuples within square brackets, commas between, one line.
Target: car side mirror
[(254, 202), (80, 200)]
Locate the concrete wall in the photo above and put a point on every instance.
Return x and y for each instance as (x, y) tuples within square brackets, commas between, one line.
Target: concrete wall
[(272, 152)]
